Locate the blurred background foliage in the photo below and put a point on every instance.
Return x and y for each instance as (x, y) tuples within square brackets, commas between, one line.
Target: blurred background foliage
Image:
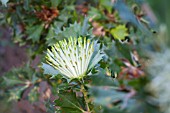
[(133, 78)]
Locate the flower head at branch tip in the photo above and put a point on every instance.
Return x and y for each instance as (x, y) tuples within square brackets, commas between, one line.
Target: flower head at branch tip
[(74, 57)]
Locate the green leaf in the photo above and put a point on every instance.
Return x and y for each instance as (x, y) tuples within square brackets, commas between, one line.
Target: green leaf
[(94, 12), (85, 26), (49, 70), (100, 79), (120, 32), (51, 33), (71, 31), (18, 76), (33, 95), (55, 3), (4, 2), (35, 32), (74, 30), (106, 95), (68, 102), (13, 81), (16, 93), (119, 50), (27, 4), (106, 4), (124, 50), (62, 17)]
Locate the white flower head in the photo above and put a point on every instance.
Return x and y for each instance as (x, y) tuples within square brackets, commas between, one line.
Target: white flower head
[(74, 58)]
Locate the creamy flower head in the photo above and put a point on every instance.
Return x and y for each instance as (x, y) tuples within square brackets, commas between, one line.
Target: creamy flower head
[(74, 58)]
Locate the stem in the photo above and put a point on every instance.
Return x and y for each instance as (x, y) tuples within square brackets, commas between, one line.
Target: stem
[(85, 97)]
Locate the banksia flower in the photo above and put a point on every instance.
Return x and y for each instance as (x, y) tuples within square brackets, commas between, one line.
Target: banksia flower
[(74, 58)]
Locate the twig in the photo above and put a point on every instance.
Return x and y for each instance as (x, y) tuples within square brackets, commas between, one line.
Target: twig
[(85, 98)]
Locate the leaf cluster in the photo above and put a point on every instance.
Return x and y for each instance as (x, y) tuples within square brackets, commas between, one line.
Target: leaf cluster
[(116, 86)]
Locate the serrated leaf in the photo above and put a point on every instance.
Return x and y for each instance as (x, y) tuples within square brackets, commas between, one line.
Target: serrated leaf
[(51, 33), (33, 94), (18, 76), (16, 93), (11, 82), (117, 51), (4, 2), (120, 32), (68, 102), (74, 30), (106, 4), (35, 32), (55, 3), (27, 4), (94, 12), (85, 26), (106, 95), (124, 50), (62, 17), (100, 79)]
